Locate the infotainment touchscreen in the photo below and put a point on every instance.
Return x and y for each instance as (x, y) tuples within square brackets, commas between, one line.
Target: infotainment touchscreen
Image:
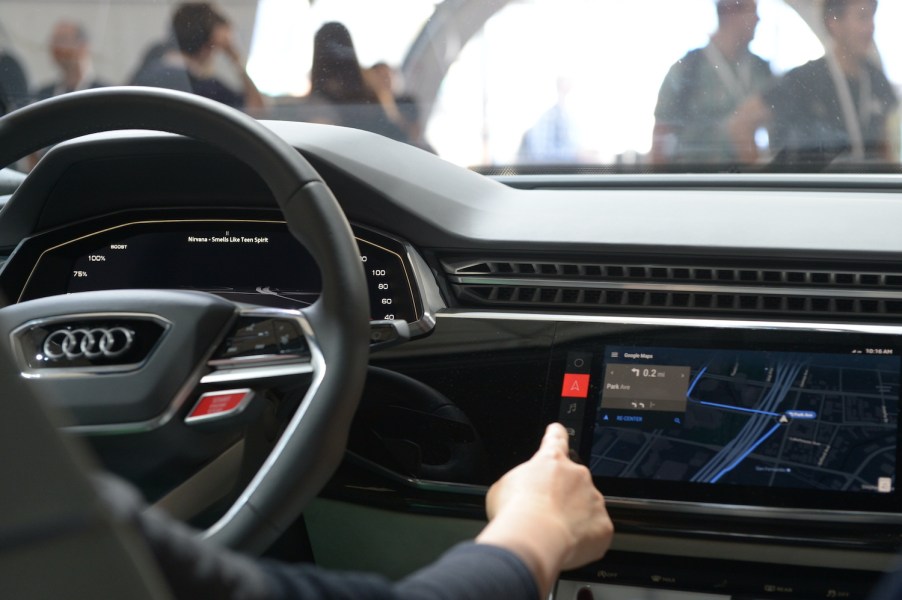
[(716, 418)]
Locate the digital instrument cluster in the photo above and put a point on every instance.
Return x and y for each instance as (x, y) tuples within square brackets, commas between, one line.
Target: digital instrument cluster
[(251, 261)]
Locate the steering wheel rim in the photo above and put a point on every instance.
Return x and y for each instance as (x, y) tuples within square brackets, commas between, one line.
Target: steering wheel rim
[(309, 452)]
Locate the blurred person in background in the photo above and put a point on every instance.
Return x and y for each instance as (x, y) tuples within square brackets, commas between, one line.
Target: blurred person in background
[(702, 90), (346, 94), (840, 105), (13, 83), (71, 53), (402, 108), (552, 139), (200, 32)]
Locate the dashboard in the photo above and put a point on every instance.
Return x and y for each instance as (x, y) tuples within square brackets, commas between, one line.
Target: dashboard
[(724, 350)]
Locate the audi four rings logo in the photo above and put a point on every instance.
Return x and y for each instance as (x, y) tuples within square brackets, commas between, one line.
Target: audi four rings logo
[(96, 342)]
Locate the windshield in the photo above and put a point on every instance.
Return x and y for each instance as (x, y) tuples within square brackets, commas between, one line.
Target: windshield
[(508, 86)]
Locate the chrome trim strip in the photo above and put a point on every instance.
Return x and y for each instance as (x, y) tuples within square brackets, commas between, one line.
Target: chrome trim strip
[(318, 365), (673, 287), (430, 295), (674, 322), (745, 511), (245, 400), (253, 360), (70, 372), (262, 372)]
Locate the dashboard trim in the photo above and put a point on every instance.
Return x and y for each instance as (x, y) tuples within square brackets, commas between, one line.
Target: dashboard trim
[(674, 322), (423, 283), (674, 287), (741, 511), (669, 506)]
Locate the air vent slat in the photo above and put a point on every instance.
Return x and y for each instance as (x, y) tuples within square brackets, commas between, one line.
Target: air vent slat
[(809, 291)]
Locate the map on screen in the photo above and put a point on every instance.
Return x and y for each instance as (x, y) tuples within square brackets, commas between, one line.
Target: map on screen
[(749, 417)]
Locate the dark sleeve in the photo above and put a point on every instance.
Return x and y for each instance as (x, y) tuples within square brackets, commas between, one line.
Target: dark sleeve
[(791, 94), (196, 569), (468, 571), (191, 567), (762, 66), (780, 91), (472, 571)]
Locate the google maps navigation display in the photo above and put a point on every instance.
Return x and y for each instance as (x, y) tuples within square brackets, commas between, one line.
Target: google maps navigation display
[(646, 387), (749, 417)]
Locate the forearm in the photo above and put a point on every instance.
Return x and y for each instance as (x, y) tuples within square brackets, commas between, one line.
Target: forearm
[(252, 96), (542, 554)]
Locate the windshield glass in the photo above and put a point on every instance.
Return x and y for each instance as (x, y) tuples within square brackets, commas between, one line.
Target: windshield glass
[(507, 86)]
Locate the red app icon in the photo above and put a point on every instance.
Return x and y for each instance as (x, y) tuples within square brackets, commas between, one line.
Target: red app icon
[(576, 385)]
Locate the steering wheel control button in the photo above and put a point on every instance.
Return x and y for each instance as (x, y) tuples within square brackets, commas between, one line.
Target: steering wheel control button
[(259, 337), (87, 345), (219, 405), (289, 338)]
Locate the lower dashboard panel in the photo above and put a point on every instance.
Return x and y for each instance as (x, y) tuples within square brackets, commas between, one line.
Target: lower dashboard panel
[(625, 576)]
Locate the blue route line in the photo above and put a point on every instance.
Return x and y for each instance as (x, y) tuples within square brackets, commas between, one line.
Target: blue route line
[(699, 375), (694, 381), (745, 454), (739, 408)]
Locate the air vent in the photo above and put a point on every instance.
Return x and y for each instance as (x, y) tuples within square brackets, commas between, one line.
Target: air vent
[(794, 290), (683, 274)]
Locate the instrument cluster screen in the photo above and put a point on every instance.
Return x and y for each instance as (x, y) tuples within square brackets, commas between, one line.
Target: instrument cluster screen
[(254, 262)]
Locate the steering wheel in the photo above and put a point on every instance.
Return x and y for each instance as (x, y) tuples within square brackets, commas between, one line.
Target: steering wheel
[(127, 361)]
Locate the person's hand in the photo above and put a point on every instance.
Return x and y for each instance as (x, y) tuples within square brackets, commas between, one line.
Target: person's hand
[(379, 78), (222, 39), (548, 512)]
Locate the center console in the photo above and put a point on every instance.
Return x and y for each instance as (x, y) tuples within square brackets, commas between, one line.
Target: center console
[(738, 459)]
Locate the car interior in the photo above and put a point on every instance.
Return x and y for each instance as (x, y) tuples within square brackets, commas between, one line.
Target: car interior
[(319, 344)]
